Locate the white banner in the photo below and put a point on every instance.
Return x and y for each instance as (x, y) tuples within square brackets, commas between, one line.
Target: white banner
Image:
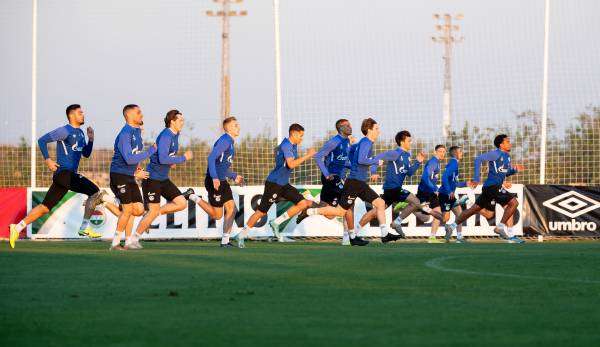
[(193, 222)]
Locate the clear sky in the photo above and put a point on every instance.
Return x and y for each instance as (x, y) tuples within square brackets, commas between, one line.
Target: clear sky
[(353, 57)]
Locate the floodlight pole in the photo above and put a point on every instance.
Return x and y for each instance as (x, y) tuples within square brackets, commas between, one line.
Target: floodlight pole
[(277, 72), (447, 29), (544, 125), (225, 13), (33, 92)]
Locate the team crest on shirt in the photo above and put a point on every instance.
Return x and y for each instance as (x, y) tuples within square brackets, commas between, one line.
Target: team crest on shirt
[(122, 188), (151, 196), (217, 198)]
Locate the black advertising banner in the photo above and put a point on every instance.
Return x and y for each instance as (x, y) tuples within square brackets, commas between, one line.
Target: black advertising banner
[(562, 210)]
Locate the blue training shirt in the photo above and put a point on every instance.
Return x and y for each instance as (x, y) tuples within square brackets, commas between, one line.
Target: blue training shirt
[(332, 158), (362, 160), (221, 158), (128, 151), (281, 172), (450, 178), (430, 176), (398, 167), (499, 167), (167, 144), (70, 146)]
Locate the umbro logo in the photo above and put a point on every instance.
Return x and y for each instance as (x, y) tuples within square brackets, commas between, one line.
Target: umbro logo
[(572, 204)]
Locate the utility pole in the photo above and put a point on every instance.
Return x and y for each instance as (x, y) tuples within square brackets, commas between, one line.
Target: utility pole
[(446, 31), (225, 13)]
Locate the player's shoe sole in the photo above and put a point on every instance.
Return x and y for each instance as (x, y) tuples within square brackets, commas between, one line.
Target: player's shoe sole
[(89, 232), (400, 206), (433, 240), (14, 235)]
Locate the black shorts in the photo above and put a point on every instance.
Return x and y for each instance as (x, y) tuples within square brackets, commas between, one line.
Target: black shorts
[(394, 196), (431, 198), (125, 188), (274, 192), (66, 180), (446, 202), (491, 195), (217, 198), (154, 189), (356, 188), (331, 190)]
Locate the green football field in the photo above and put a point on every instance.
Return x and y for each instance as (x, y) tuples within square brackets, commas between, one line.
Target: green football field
[(301, 294)]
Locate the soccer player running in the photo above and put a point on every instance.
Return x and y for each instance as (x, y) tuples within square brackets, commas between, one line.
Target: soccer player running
[(128, 154), (70, 146), (398, 168), (158, 183), (332, 160), (494, 188), (448, 201), (427, 192), (219, 170), (362, 161), (277, 185)]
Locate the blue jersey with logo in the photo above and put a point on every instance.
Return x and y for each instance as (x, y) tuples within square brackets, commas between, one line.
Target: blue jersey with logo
[(221, 157), (450, 178), (70, 146), (362, 160), (332, 159), (499, 167), (129, 151), (430, 176), (398, 167), (281, 172), (167, 144)]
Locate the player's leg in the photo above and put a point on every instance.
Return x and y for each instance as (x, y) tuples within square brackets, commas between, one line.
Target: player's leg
[(457, 211), (58, 189), (80, 184), (348, 223), (228, 219), (269, 197), (289, 193)]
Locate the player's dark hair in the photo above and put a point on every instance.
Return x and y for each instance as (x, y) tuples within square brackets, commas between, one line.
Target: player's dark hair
[(339, 123), (295, 127), (171, 116), (72, 108), (401, 136), (367, 124), (128, 107), (453, 150), (228, 120), (439, 146), (499, 139)]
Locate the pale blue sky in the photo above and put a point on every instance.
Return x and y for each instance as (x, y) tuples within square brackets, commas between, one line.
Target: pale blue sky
[(354, 57)]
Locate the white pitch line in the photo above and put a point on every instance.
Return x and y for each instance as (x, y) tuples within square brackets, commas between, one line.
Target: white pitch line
[(435, 264)]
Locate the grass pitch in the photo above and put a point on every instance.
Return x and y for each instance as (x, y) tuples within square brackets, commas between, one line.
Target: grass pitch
[(301, 294)]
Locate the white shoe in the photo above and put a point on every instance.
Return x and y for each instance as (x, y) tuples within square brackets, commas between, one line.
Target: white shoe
[(133, 244), (283, 238), (346, 240)]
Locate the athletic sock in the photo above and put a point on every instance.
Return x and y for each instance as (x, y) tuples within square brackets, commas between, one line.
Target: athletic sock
[(116, 239), (225, 239), (398, 220), (282, 218), (509, 231), (84, 224), (21, 226), (458, 235), (312, 211), (352, 234), (195, 198), (384, 231)]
